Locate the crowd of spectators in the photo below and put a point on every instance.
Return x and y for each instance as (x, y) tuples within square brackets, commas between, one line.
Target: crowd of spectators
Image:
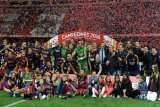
[(114, 17), (31, 21), (49, 21), (7, 19), (33, 2), (132, 17)]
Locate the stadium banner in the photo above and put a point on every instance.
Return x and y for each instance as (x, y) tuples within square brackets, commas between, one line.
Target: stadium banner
[(87, 35)]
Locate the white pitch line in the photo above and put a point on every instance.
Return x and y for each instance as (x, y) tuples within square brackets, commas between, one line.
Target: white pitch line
[(14, 103)]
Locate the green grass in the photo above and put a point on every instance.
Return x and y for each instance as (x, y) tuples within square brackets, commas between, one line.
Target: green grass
[(5, 99), (78, 102)]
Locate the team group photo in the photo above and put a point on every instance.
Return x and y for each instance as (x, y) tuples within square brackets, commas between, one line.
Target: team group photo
[(67, 53)]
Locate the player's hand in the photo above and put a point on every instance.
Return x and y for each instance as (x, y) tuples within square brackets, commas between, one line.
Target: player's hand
[(107, 62), (93, 82)]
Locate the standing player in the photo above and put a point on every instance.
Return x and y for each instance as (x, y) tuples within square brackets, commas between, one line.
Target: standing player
[(56, 53), (69, 64), (22, 60), (102, 55), (31, 58), (10, 63), (81, 54), (132, 63), (45, 54), (111, 62), (64, 50), (45, 57), (91, 54)]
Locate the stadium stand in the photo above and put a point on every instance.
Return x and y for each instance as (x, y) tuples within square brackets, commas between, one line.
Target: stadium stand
[(111, 17)]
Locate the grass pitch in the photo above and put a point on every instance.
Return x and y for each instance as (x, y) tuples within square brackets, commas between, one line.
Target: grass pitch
[(76, 102)]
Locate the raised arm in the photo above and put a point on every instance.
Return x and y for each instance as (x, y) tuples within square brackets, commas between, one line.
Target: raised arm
[(73, 69)]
